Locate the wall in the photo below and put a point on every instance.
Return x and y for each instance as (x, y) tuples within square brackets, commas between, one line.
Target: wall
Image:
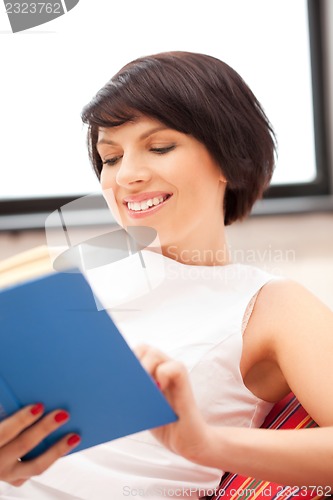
[(299, 247)]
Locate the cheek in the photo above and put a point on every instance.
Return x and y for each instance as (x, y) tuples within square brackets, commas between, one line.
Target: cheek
[(106, 179), (108, 185), (110, 199)]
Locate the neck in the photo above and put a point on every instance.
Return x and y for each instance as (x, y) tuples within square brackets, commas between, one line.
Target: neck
[(203, 252)]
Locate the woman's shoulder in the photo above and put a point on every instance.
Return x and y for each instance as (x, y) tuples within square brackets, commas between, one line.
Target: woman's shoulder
[(293, 330), (284, 299), (297, 330), (284, 307)]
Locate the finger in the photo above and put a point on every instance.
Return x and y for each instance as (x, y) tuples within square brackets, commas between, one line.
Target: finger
[(32, 436), (18, 482), (140, 350), (171, 377), (41, 463), (173, 380), (151, 358), (12, 426)]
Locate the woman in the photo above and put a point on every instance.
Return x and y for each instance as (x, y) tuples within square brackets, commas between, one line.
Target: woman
[(181, 144)]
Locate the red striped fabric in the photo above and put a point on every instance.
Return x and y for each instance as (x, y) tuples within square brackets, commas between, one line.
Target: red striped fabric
[(287, 414)]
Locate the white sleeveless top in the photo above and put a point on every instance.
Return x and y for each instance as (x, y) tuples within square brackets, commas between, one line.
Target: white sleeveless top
[(194, 314)]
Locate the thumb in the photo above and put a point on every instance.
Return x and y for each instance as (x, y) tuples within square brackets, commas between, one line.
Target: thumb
[(173, 380)]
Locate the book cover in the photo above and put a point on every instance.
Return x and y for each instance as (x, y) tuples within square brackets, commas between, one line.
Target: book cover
[(58, 349)]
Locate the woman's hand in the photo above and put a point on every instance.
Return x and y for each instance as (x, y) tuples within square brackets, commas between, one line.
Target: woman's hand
[(24, 430), (190, 434)]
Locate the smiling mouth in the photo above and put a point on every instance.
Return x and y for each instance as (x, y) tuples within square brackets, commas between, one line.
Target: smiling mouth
[(146, 205)]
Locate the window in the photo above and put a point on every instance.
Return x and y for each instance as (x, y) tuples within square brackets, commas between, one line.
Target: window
[(48, 74)]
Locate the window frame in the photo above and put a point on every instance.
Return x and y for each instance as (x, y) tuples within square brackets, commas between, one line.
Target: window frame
[(322, 184)]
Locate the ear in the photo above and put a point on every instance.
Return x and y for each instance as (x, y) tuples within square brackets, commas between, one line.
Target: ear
[(222, 178)]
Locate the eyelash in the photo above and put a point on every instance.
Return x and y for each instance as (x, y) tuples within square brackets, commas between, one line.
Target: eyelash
[(162, 151), (111, 161), (159, 151)]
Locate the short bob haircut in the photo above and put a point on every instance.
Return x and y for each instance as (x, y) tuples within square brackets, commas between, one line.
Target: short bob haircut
[(198, 95)]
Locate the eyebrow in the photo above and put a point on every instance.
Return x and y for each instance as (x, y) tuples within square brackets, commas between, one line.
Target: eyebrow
[(142, 136)]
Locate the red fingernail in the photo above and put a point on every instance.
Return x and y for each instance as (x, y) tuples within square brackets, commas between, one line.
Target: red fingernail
[(38, 408), (61, 416), (158, 384), (73, 440)]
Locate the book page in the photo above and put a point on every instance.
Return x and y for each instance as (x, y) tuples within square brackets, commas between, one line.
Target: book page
[(24, 266)]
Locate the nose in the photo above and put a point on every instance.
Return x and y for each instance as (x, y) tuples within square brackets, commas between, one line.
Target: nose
[(132, 170)]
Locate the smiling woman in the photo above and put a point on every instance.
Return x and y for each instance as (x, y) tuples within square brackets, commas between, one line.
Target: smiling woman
[(165, 179), (164, 128), (198, 95)]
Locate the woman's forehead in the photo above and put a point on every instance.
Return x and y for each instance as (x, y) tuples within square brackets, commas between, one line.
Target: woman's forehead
[(142, 126)]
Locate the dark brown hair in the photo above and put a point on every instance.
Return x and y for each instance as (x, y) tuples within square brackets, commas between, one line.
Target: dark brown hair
[(199, 95)]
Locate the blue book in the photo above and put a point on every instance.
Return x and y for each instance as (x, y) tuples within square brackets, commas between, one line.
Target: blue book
[(58, 349)]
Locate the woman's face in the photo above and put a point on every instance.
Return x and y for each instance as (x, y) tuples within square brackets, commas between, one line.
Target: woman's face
[(160, 178)]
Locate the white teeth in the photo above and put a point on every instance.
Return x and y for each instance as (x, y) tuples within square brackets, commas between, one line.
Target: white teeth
[(144, 205)]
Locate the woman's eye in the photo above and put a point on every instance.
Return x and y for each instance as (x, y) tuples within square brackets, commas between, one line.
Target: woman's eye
[(163, 150), (111, 161)]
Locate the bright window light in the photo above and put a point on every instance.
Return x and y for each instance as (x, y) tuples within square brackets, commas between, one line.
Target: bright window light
[(49, 73)]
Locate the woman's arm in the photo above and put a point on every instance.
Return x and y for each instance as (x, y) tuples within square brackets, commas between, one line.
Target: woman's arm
[(290, 457), (298, 334)]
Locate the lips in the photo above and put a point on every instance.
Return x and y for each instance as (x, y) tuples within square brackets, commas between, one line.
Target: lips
[(146, 204), (140, 205), (145, 196)]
